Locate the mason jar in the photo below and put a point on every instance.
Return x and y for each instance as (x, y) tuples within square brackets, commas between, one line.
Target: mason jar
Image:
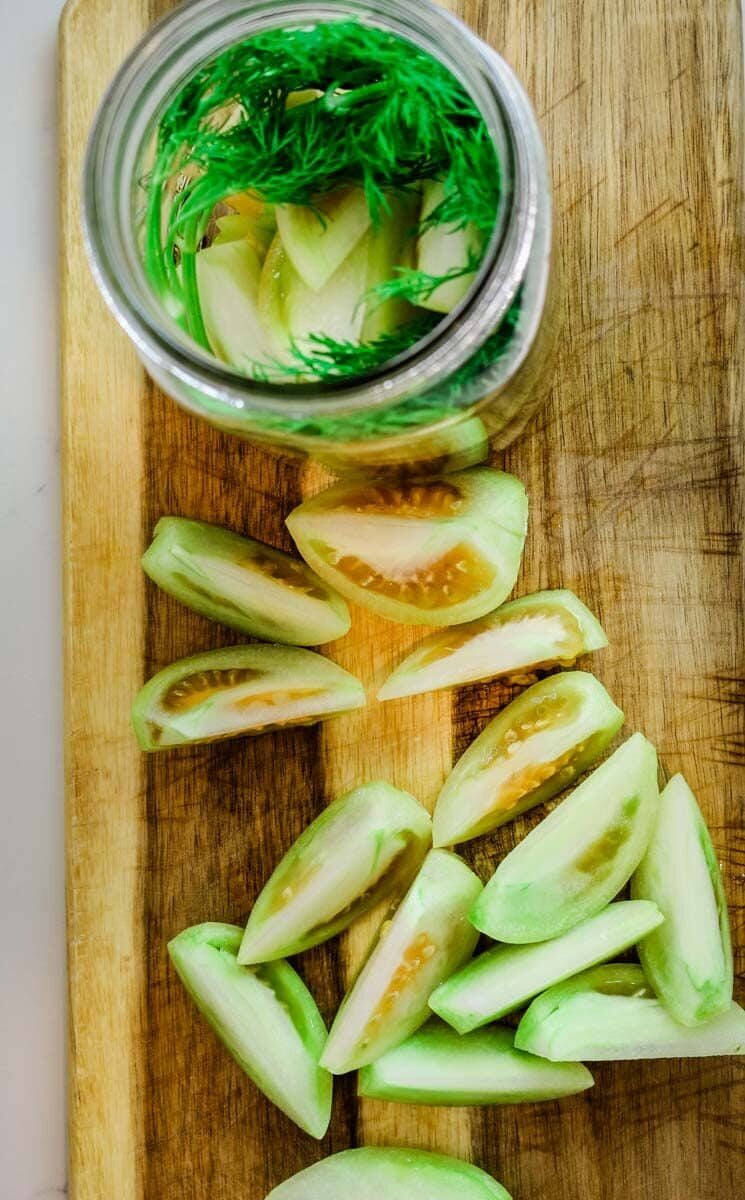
[(478, 377)]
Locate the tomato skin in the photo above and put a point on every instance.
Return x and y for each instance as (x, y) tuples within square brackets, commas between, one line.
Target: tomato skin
[(435, 552), (365, 846), (243, 584)]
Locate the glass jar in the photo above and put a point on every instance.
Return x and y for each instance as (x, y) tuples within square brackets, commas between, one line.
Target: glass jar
[(476, 377)]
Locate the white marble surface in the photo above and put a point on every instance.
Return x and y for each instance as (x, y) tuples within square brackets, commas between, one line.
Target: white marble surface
[(32, 986)]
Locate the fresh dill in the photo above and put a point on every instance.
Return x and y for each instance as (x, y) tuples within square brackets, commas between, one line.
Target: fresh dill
[(381, 114), (321, 357)]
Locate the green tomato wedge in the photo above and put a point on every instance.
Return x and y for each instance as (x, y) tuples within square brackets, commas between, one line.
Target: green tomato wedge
[(371, 1173), (390, 247), (291, 312), (688, 961), (445, 248), (317, 240), (228, 275), (435, 552), (532, 749), (244, 584), (364, 847), (265, 1016), (580, 856), (238, 691), (438, 1066), (427, 938), (547, 629), (503, 978), (612, 1013)]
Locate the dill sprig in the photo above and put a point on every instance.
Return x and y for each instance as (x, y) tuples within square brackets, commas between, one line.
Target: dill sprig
[(388, 115), (322, 357)]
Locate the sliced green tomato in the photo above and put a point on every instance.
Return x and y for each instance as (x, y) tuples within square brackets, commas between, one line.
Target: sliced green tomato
[(390, 246), (612, 1013), (228, 276), (438, 1066), (379, 1174), (427, 939), (436, 552), (444, 248), (533, 748), (292, 312), (240, 690), (265, 1016), (318, 240), (502, 979), (534, 633), (243, 584), (365, 846), (688, 961), (581, 854)]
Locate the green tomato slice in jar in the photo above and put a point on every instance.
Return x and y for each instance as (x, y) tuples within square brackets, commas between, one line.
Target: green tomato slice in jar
[(373, 1173), (438, 1066), (363, 847), (534, 633), (580, 856), (239, 691), (533, 748), (265, 1016), (611, 1013), (502, 979), (318, 239), (688, 961), (426, 939), (436, 552), (243, 584)]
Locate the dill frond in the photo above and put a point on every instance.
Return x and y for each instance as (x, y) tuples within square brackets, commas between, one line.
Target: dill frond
[(388, 116)]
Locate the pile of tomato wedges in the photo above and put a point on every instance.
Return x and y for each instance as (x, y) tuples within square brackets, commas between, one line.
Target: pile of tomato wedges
[(419, 1021)]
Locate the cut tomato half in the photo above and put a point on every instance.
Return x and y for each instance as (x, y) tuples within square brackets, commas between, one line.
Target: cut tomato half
[(240, 690), (365, 846), (436, 552)]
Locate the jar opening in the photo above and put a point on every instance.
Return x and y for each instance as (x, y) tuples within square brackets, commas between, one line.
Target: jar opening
[(170, 55)]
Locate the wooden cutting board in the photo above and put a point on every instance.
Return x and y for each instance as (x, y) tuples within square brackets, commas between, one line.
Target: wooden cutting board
[(634, 470)]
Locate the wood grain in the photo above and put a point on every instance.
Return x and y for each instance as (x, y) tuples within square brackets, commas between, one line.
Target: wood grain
[(634, 469)]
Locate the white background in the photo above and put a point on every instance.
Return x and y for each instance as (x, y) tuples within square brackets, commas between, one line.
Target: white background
[(32, 986)]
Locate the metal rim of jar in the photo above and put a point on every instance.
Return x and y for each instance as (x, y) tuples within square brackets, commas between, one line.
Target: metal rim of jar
[(168, 54)]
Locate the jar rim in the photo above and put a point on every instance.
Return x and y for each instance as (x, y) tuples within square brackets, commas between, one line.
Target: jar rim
[(124, 120)]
